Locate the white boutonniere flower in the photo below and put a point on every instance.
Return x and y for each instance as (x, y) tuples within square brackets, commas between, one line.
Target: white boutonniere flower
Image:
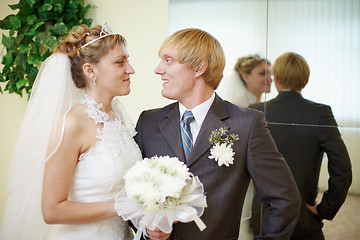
[(222, 143)]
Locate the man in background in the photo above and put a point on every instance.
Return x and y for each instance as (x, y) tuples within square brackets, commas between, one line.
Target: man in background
[(303, 131)]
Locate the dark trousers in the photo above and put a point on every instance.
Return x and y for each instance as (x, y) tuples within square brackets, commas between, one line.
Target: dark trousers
[(256, 219), (318, 235)]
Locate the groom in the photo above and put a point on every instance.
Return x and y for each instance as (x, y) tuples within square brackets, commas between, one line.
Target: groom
[(191, 67)]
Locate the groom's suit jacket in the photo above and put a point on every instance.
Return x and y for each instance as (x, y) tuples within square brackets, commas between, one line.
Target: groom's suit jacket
[(303, 148), (256, 157)]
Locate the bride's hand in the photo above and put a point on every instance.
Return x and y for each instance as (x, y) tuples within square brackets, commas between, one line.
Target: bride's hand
[(157, 234)]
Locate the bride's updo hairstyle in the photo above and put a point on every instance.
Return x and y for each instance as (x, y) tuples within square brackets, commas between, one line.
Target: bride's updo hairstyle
[(78, 48), (245, 65)]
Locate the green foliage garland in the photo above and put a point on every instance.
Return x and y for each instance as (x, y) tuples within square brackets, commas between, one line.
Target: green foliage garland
[(34, 33)]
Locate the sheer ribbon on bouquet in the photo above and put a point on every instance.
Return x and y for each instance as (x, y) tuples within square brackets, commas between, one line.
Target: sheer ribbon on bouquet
[(189, 208)]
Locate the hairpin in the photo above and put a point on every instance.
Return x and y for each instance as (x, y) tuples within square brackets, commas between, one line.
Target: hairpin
[(105, 31), (249, 60)]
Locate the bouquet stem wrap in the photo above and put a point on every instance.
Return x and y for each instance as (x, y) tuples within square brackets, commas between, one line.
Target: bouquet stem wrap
[(187, 207)]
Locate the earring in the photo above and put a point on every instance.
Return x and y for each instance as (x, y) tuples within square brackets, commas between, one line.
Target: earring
[(94, 80)]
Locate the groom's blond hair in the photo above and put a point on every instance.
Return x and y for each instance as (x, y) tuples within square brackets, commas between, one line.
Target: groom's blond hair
[(197, 48)]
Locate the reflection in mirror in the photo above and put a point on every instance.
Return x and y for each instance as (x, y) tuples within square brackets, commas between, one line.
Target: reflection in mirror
[(325, 33)]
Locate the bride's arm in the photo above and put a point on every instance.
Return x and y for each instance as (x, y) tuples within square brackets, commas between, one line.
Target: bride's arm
[(58, 177)]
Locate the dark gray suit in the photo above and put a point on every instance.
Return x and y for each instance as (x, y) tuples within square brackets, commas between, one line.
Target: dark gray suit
[(303, 148), (256, 157)]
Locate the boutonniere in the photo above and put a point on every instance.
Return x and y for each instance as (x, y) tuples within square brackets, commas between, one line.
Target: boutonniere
[(222, 143)]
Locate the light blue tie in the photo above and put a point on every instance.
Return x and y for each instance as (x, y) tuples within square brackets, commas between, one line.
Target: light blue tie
[(186, 135)]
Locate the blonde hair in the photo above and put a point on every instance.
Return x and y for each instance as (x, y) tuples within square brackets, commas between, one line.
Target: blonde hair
[(197, 48), (78, 37), (292, 71), (245, 65)]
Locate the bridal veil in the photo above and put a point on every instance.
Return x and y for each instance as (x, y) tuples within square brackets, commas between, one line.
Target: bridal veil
[(52, 96)]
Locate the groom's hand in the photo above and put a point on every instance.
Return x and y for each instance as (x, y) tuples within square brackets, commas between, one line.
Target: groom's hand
[(313, 208), (157, 234)]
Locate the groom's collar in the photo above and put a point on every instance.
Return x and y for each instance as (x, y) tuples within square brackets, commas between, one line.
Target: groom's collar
[(199, 111)]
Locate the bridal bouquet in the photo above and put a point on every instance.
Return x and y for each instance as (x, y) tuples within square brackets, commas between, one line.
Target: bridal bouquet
[(159, 191)]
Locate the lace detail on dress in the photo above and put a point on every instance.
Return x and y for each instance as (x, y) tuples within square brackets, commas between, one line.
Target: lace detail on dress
[(94, 111), (111, 134)]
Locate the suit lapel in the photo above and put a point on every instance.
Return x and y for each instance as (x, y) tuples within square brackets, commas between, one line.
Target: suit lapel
[(212, 121), (170, 128)]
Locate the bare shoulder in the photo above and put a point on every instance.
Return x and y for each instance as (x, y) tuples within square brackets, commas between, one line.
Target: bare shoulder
[(80, 128), (76, 119)]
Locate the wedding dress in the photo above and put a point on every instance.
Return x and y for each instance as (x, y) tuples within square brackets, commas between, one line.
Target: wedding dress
[(98, 175)]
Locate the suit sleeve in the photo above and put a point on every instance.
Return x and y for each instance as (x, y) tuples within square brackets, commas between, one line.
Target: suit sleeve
[(138, 137), (273, 182), (339, 167)]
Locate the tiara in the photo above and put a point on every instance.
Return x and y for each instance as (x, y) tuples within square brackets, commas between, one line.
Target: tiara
[(249, 60), (105, 31)]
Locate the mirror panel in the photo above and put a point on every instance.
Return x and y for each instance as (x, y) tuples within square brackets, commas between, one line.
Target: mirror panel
[(326, 33)]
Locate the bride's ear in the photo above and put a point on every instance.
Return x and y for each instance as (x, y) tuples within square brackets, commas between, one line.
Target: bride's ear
[(88, 70)]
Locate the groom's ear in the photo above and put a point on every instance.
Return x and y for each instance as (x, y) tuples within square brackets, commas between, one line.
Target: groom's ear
[(88, 70), (200, 70)]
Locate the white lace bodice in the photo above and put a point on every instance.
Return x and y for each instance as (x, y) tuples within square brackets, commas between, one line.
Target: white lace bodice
[(99, 172)]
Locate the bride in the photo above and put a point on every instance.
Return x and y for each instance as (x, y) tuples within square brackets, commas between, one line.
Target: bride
[(69, 160)]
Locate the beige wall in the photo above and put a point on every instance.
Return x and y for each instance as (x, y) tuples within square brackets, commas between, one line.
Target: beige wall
[(144, 24)]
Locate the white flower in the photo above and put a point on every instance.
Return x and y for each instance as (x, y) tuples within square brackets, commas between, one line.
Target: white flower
[(222, 143), (156, 183), (223, 154), (159, 191)]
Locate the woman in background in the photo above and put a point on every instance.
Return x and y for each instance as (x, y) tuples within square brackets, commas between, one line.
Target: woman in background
[(249, 80), (69, 160)]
